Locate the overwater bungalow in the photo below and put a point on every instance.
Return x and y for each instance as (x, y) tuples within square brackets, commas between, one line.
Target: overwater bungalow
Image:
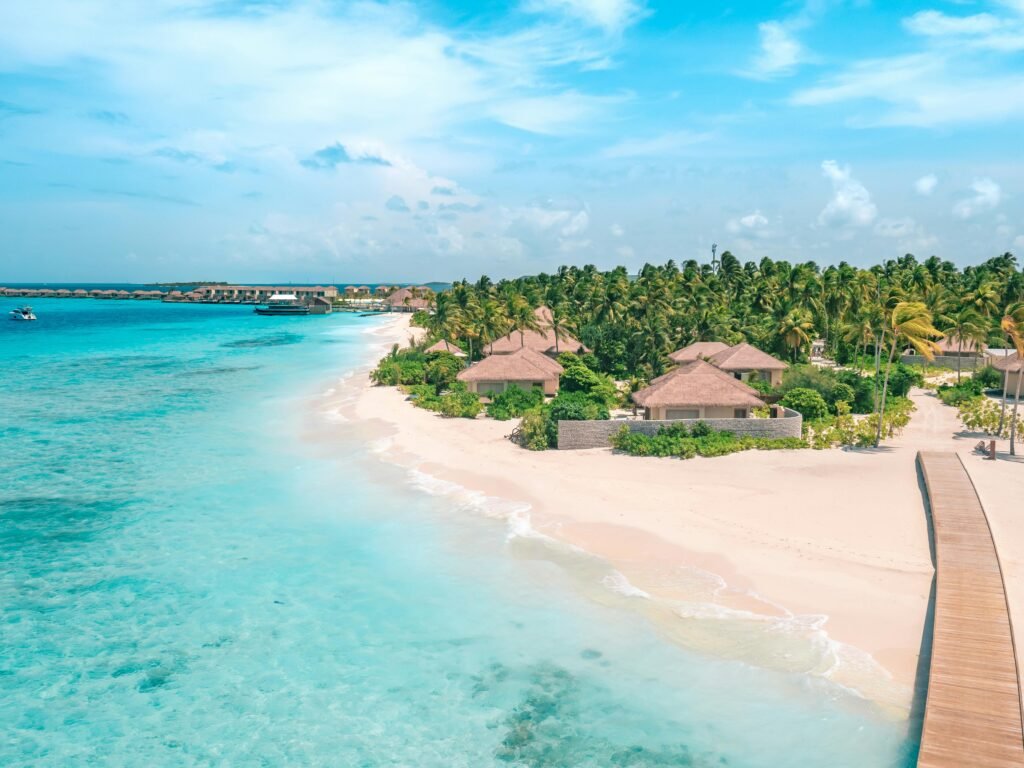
[(699, 350), (79, 293), (525, 368), (543, 341), (697, 390), (445, 346), (63, 293), (748, 363), (407, 300)]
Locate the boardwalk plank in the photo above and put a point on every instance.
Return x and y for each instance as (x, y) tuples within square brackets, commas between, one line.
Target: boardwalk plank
[(973, 713)]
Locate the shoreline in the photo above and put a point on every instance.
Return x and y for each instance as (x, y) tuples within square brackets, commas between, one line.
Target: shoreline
[(802, 567)]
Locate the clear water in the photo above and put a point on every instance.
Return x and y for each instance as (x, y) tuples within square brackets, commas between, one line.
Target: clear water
[(186, 578)]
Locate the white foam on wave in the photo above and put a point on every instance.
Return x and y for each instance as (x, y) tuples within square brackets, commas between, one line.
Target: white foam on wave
[(619, 584)]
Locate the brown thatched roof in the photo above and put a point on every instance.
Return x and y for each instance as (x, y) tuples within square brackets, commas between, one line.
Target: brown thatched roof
[(744, 357), (403, 297), (522, 365), (699, 350), (950, 345), (1011, 363), (697, 383), (540, 341), (445, 346)]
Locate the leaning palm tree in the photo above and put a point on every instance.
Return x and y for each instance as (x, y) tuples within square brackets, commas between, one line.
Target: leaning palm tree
[(911, 323), (966, 324), (1013, 325)]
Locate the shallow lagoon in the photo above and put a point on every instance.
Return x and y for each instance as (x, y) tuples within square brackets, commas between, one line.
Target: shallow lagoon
[(188, 581)]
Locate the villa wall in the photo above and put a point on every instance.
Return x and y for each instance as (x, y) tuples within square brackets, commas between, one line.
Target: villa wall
[(574, 435), (969, 363)]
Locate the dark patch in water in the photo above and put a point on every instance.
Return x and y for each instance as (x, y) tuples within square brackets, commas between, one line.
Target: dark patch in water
[(548, 729), (590, 654), (219, 370), (273, 340)]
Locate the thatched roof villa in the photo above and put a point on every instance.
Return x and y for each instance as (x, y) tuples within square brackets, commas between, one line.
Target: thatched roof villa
[(697, 390), (525, 368), (747, 362), (542, 341), (699, 350), (445, 346), (1012, 368)]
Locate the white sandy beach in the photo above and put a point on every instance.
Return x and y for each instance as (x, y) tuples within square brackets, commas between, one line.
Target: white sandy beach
[(813, 561)]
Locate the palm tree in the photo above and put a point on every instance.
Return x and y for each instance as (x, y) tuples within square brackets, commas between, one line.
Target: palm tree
[(794, 330), (492, 322), (910, 322), (966, 324), (1013, 325), (521, 317), (560, 324)]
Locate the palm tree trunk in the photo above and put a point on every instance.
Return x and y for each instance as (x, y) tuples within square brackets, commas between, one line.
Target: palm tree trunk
[(878, 370), (959, 357), (1013, 414), (1002, 411), (885, 392)]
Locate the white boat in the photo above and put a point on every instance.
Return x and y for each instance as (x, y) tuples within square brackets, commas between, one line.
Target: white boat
[(22, 313)]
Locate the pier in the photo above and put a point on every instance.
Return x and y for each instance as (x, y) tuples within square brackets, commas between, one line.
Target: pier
[(973, 708)]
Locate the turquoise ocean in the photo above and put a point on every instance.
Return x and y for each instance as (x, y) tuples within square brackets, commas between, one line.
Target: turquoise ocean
[(187, 578)]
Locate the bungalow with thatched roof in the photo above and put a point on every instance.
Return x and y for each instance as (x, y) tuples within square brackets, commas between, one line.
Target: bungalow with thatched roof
[(746, 363), (445, 346), (407, 300), (697, 390), (699, 350), (525, 368), (542, 341), (1012, 368)]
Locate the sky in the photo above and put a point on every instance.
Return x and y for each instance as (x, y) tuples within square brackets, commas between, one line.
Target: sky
[(320, 140)]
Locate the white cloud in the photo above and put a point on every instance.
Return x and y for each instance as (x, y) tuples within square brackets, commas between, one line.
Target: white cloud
[(609, 15), (851, 203), (987, 195), (748, 224), (937, 24), (923, 90), (899, 228), (616, 230), (780, 51), (551, 115), (926, 184), (665, 144)]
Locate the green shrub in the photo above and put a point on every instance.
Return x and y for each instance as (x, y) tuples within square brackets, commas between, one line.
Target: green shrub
[(456, 403), (902, 378), (401, 366), (701, 429), (514, 402), (863, 391), (842, 393), (989, 377), (577, 406), (761, 386), (420, 319), (807, 402), (578, 377), (673, 441), (441, 369), (532, 432), (955, 394)]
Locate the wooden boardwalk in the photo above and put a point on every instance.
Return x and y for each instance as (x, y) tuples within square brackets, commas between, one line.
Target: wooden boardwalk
[(973, 711)]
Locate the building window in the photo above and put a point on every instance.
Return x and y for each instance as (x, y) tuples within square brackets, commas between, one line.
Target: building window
[(739, 413), (674, 414)]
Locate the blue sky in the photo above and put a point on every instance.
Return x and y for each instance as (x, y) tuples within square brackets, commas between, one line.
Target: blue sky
[(267, 140)]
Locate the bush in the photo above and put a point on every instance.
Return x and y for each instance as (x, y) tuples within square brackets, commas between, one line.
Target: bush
[(807, 402), (863, 391), (457, 403), (674, 441), (902, 378), (532, 432), (441, 369), (842, 393), (577, 377), (576, 406), (401, 366), (514, 402), (989, 377), (761, 386), (955, 394), (420, 319)]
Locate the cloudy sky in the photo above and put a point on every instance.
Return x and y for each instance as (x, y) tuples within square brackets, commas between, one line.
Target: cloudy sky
[(259, 140)]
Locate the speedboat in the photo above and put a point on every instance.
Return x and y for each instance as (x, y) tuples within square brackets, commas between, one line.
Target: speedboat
[(283, 304), (22, 313)]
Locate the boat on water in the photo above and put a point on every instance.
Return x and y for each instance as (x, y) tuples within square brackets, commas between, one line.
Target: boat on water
[(282, 304), (22, 313)]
